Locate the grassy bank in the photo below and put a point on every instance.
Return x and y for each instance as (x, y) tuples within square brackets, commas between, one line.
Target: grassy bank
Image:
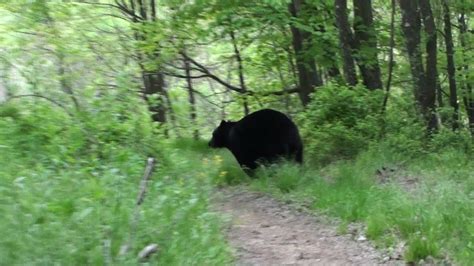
[(69, 188), (426, 202), (69, 202)]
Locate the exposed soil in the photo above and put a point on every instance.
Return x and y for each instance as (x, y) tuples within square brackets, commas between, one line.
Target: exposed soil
[(264, 231)]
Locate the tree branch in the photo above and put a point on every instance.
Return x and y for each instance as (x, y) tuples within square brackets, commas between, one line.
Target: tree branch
[(42, 97), (206, 71)]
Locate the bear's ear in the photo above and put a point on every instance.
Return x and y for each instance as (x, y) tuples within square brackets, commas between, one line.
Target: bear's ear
[(223, 122)]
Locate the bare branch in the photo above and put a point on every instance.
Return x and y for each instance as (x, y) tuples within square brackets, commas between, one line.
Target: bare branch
[(184, 76), (283, 92), (206, 71), (130, 12)]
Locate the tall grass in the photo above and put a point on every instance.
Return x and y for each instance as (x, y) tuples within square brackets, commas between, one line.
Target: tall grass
[(65, 203), (435, 216)]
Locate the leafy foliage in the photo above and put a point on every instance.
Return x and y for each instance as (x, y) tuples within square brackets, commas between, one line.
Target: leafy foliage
[(340, 122), (70, 186), (76, 111)]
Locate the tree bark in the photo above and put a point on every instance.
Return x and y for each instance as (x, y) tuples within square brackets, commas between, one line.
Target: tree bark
[(329, 53), (365, 41), (448, 39), (283, 81), (428, 97), (305, 64), (241, 72), (390, 60), (468, 94), (192, 100), (170, 112), (411, 26), (154, 84), (346, 40), (153, 80)]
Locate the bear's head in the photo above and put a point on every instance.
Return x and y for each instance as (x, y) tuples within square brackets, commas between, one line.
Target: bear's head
[(220, 135)]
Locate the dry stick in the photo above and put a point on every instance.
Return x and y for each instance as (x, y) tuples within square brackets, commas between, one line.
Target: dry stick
[(136, 212), (148, 171)]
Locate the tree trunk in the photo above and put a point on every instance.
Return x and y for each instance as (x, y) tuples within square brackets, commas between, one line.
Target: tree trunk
[(365, 41), (153, 80), (411, 26), (305, 63), (192, 100), (328, 45), (241, 72), (448, 39), (390, 60), (468, 94), (429, 91), (154, 88), (170, 112), (283, 81), (345, 41)]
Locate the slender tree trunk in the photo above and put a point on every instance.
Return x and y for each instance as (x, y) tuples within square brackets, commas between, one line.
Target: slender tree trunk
[(291, 65), (192, 100), (346, 40), (240, 65), (448, 39), (365, 41), (468, 93), (65, 86), (307, 73), (172, 115), (327, 45), (153, 80), (390, 55), (429, 90), (154, 93), (439, 95), (282, 80), (290, 57), (59, 52), (411, 26)]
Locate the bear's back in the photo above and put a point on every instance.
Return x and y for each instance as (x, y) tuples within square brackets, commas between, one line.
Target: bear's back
[(266, 126)]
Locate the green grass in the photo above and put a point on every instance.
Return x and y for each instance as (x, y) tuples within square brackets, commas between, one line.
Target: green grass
[(64, 193), (436, 218), (53, 214)]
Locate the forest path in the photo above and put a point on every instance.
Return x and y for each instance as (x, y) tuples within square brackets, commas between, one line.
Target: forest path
[(264, 231)]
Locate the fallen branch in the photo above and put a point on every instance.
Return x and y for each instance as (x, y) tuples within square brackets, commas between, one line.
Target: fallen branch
[(136, 211), (148, 171)]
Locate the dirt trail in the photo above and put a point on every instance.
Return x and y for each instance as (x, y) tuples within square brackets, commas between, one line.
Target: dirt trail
[(266, 232)]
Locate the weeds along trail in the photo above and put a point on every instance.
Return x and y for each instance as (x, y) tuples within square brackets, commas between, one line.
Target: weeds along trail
[(263, 231)]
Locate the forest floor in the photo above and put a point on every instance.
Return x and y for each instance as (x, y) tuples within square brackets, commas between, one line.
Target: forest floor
[(264, 231)]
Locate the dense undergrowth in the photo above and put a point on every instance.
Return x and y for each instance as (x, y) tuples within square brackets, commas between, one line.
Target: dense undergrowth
[(69, 184), (426, 203), (433, 213), (402, 184)]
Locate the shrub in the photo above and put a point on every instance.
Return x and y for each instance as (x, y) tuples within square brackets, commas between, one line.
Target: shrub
[(340, 121)]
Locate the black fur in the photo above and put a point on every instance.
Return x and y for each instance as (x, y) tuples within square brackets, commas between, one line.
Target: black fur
[(262, 136)]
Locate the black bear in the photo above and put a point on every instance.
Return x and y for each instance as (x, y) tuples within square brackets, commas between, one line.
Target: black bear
[(264, 135)]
